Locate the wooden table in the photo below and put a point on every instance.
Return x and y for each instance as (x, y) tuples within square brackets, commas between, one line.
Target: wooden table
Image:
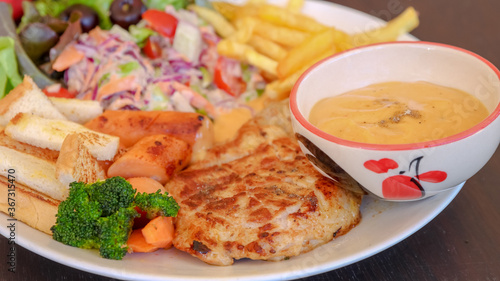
[(461, 243)]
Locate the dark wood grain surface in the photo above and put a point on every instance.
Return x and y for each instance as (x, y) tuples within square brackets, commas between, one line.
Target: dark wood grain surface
[(461, 243)]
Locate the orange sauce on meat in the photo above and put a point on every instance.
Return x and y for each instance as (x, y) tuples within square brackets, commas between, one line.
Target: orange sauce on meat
[(226, 125)]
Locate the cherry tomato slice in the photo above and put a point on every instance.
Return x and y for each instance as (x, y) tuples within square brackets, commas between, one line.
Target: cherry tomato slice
[(58, 92), (224, 80), (142, 220), (161, 22), (152, 48)]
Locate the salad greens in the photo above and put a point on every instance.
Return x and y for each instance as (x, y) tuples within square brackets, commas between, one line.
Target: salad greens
[(25, 64), (140, 34), (162, 4), (55, 7), (167, 60), (9, 75)]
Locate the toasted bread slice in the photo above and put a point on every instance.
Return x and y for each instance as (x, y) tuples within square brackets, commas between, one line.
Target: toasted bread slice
[(43, 153), (27, 97), (76, 110), (48, 133), (37, 173), (76, 163), (31, 207)]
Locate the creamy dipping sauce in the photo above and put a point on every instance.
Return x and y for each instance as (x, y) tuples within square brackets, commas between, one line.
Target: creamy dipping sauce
[(398, 113)]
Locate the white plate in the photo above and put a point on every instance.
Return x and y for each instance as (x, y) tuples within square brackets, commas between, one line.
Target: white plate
[(383, 225)]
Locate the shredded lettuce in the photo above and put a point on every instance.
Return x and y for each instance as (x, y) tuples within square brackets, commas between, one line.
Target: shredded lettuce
[(127, 68), (246, 73), (207, 78), (104, 79), (50, 7), (201, 111), (9, 74), (158, 100), (161, 4), (140, 34)]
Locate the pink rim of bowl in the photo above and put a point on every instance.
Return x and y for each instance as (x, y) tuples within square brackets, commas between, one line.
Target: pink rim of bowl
[(303, 121)]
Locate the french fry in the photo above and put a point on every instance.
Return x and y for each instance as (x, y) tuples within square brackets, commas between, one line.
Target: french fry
[(232, 49), (226, 9), (405, 22), (342, 41), (222, 26), (283, 42), (283, 17), (232, 12), (257, 2), (282, 35), (303, 54), (267, 47), (244, 29), (247, 10), (295, 5), (246, 53), (280, 89), (264, 63)]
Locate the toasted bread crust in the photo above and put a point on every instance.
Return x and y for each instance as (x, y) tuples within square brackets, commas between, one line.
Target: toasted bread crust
[(50, 133), (16, 94), (27, 97), (76, 163), (29, 206), (77, 110)]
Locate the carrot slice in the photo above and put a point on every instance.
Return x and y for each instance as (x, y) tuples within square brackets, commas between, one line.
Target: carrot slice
[(159, 232), (69, 56), (98, 35), (137, 243), (116, 85)]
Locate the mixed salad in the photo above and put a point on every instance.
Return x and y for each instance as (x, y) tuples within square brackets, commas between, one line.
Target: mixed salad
[(128, 54)]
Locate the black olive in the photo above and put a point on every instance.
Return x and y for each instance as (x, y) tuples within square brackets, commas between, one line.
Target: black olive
[(88, 18), (37, 39), (126, 12)]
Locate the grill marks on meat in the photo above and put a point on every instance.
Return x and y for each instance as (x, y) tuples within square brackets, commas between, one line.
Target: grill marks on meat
[(258, 197)]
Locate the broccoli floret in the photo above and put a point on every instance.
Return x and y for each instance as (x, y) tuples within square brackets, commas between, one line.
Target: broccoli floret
[(76, 219), (156, 204), (81, 218), (101, 215), (114, 231), (112, 194)]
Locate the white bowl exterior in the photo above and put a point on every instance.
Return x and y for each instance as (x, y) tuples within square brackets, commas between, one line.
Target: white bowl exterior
[(460, 160), (405, 62)]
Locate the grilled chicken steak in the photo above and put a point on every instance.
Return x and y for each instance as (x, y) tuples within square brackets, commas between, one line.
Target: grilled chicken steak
[(258, 197)]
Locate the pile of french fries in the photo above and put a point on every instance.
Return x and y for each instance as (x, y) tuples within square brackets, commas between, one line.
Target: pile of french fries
[(283, 42)]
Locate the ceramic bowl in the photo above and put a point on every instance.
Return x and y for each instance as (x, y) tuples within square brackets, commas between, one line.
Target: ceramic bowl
[(401, 172)]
